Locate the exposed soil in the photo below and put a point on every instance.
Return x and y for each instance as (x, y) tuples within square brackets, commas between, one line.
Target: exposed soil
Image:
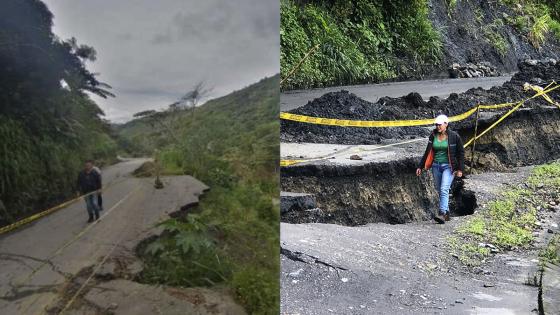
[(408, 269), (468, 31), (345, 105), (389, 191)]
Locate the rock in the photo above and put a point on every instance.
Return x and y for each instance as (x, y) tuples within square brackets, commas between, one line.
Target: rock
[(458, 302), (488, 285), (355, 157), (296, 273), (455, 73), (551, 61), (550, 231), (487, 245), (531, 62), (107, 271), (290, 201)]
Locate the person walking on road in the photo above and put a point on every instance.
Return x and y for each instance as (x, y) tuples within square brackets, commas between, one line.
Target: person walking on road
[(446, 157), (89, 182), (99, 197)]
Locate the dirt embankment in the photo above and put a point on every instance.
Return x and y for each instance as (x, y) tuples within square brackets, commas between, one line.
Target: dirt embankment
[(344, 105), (388, 191), (483, 31)]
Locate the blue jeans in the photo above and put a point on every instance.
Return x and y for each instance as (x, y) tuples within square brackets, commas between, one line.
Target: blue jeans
[(443, 177), (91, 205)]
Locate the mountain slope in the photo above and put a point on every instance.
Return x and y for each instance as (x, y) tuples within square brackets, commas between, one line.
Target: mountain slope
[(232, 238)]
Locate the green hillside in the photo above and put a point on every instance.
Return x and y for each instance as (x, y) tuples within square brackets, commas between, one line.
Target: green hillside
[(231, 144), (370, 41), (46, 131)]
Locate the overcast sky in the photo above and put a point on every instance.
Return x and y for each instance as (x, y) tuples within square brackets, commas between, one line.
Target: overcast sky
[(152, 52)]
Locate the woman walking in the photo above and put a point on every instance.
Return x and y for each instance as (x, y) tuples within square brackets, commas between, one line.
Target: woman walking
[(446, 157)]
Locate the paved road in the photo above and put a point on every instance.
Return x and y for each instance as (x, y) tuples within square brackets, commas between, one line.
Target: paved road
[(402, 269), (372, 92), (37, 260)]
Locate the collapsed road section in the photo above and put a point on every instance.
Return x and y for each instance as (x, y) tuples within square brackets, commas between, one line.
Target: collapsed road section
[(344, 105), (360, 179), (371, 178)]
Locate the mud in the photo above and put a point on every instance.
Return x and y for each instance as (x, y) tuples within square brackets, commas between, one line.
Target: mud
[(386, 192), (390, 192), (345, 105)]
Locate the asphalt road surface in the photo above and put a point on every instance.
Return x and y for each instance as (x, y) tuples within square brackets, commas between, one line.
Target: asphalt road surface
[(372, 92), (37, 260), (404, 269)]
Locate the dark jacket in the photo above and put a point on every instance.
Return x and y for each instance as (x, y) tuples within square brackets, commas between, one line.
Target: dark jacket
[(88, 182), (455, 152)]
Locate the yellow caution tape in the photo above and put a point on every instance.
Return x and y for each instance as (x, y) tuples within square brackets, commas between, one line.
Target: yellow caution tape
[(292, 162), (494, 124), (370, 123), (405, 123), (39, 215), (538, 89), (540, 92), (383, 123), (498, 106)]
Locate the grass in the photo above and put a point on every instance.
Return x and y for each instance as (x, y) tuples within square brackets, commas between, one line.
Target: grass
[(361, 41), (231, 239), (39, 170), (495, 38), (537, 32), (509, 221), (551, 253), (535, 19)]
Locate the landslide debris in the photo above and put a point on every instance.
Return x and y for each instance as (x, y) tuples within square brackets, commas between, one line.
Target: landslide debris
[(345, 105)]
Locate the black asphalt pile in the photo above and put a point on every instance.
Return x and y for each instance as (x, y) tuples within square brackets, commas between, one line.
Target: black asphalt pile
[(345, 105)]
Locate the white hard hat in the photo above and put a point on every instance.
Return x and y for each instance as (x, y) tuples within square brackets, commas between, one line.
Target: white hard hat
[(441, 119)]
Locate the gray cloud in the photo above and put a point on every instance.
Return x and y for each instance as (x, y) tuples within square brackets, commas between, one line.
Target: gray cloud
[(152, 52), (162, 38), (124, 37)]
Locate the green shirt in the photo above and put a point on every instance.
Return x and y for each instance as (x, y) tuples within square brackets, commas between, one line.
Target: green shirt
[(440, 148)]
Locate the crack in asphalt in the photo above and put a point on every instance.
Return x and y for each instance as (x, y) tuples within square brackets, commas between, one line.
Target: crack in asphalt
[(19, 258), (297, 256), (17, 293)]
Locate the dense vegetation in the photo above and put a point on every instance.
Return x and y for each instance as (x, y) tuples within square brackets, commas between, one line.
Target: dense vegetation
[(359, 41), (231, 144), (46, 130), (534, 19), (377, 40), (509, 221)]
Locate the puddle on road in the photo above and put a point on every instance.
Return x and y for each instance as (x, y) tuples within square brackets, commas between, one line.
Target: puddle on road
[(492, 311), (486, 297)]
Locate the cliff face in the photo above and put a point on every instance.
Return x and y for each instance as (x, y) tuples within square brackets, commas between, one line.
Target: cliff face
[(494, 32)]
